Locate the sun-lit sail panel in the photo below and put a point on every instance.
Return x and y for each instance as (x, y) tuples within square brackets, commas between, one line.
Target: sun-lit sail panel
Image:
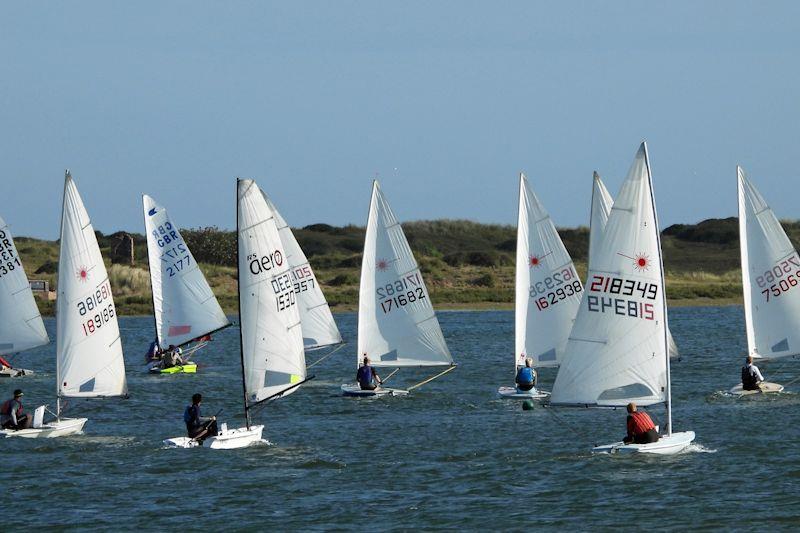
[(184, 305), (272, 340), (319, 327), (88, 346), (616, 351), (21, 327), (770, 276), (396, 323), (548, 290)]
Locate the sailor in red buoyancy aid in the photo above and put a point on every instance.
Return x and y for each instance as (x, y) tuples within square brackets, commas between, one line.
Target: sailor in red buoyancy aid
[(641, 429), (11, 415)]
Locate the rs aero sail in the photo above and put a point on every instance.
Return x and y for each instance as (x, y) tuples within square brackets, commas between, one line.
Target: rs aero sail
[(89, 360), (271, 348), (397, 326), (548, 293), (770, 276), (185, 309), (617, 351), (21, 328)]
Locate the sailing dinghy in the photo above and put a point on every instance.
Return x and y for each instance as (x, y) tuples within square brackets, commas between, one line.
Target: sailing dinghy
[(89, 361), (618, 351), (21, 327), (271, 348), (184, 307), (397, 327), (319, 327), (548, 291), (601, 208), (770, 275)]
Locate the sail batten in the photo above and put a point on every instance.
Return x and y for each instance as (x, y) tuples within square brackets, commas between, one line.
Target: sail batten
[(397, 325), (88, 345), (770, 264), (548, 290)]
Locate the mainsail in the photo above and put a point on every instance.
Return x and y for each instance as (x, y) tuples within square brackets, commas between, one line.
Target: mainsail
[(272, 342), (88, 347), (319, 327), (21, 326), (548, 290), (616, 351), (185, 308), (601, 208), (396, 323), (770, 275)]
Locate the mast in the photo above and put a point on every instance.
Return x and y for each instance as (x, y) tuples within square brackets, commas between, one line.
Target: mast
[(519, 220), (663, 292), (239, 300), (60, 251), (595, 177), (152, 286)]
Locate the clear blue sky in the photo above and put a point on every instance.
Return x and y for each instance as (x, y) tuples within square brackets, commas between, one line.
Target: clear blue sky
[(446, 101)]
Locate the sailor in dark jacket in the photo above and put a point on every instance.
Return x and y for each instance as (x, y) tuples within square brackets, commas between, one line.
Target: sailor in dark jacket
[(198, 426)]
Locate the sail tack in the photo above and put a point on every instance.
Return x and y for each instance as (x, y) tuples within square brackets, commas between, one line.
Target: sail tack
[(548, 290), (185, 307), (272, 340), (396, 323), (319, 327), (616, 351), (21, 327), (770, 276), (88, 346)]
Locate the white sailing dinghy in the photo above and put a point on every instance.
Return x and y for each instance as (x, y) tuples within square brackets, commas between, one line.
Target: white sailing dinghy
[(272, 355), (617, 351), (89, 360), (548, 291), (601, 208), (319, 327), (21, 326), (770, 275), (184, 307), (397, 327)]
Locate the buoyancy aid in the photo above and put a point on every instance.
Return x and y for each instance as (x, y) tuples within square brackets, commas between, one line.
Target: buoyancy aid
[(8, 405), (749, 378), (525, 375), (639, 422)]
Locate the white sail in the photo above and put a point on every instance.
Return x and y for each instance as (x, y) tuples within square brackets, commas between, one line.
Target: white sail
[(548, 290), (88, 347), (319, 327), (396, 323), (601, 208), (272, 340), (770, 276), (185, 307), (616, 351), (21, 326)]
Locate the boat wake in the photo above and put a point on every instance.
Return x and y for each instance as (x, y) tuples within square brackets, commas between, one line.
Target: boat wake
[(697, 448)]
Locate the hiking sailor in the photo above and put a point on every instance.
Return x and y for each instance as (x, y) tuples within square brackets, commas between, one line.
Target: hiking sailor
[(198, 426), (11, 415), (751, 375), (641, 429), (367, 377), (526, 376)]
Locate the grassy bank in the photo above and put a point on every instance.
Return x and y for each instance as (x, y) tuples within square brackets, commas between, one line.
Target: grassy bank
[(466, 265)]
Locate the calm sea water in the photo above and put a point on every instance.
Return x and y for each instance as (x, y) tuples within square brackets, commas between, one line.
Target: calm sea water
[(450, 455)]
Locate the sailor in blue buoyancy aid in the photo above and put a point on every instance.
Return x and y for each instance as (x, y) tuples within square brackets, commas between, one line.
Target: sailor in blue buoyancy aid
[(198, 426), (751, 375), (526, 376), (366, 376)]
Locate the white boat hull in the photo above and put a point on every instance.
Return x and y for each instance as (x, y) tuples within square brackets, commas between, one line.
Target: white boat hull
[(666, 445), (228, 439), (765, 387), (14, 372), (356, 391), (56, 428), (512, 393)]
